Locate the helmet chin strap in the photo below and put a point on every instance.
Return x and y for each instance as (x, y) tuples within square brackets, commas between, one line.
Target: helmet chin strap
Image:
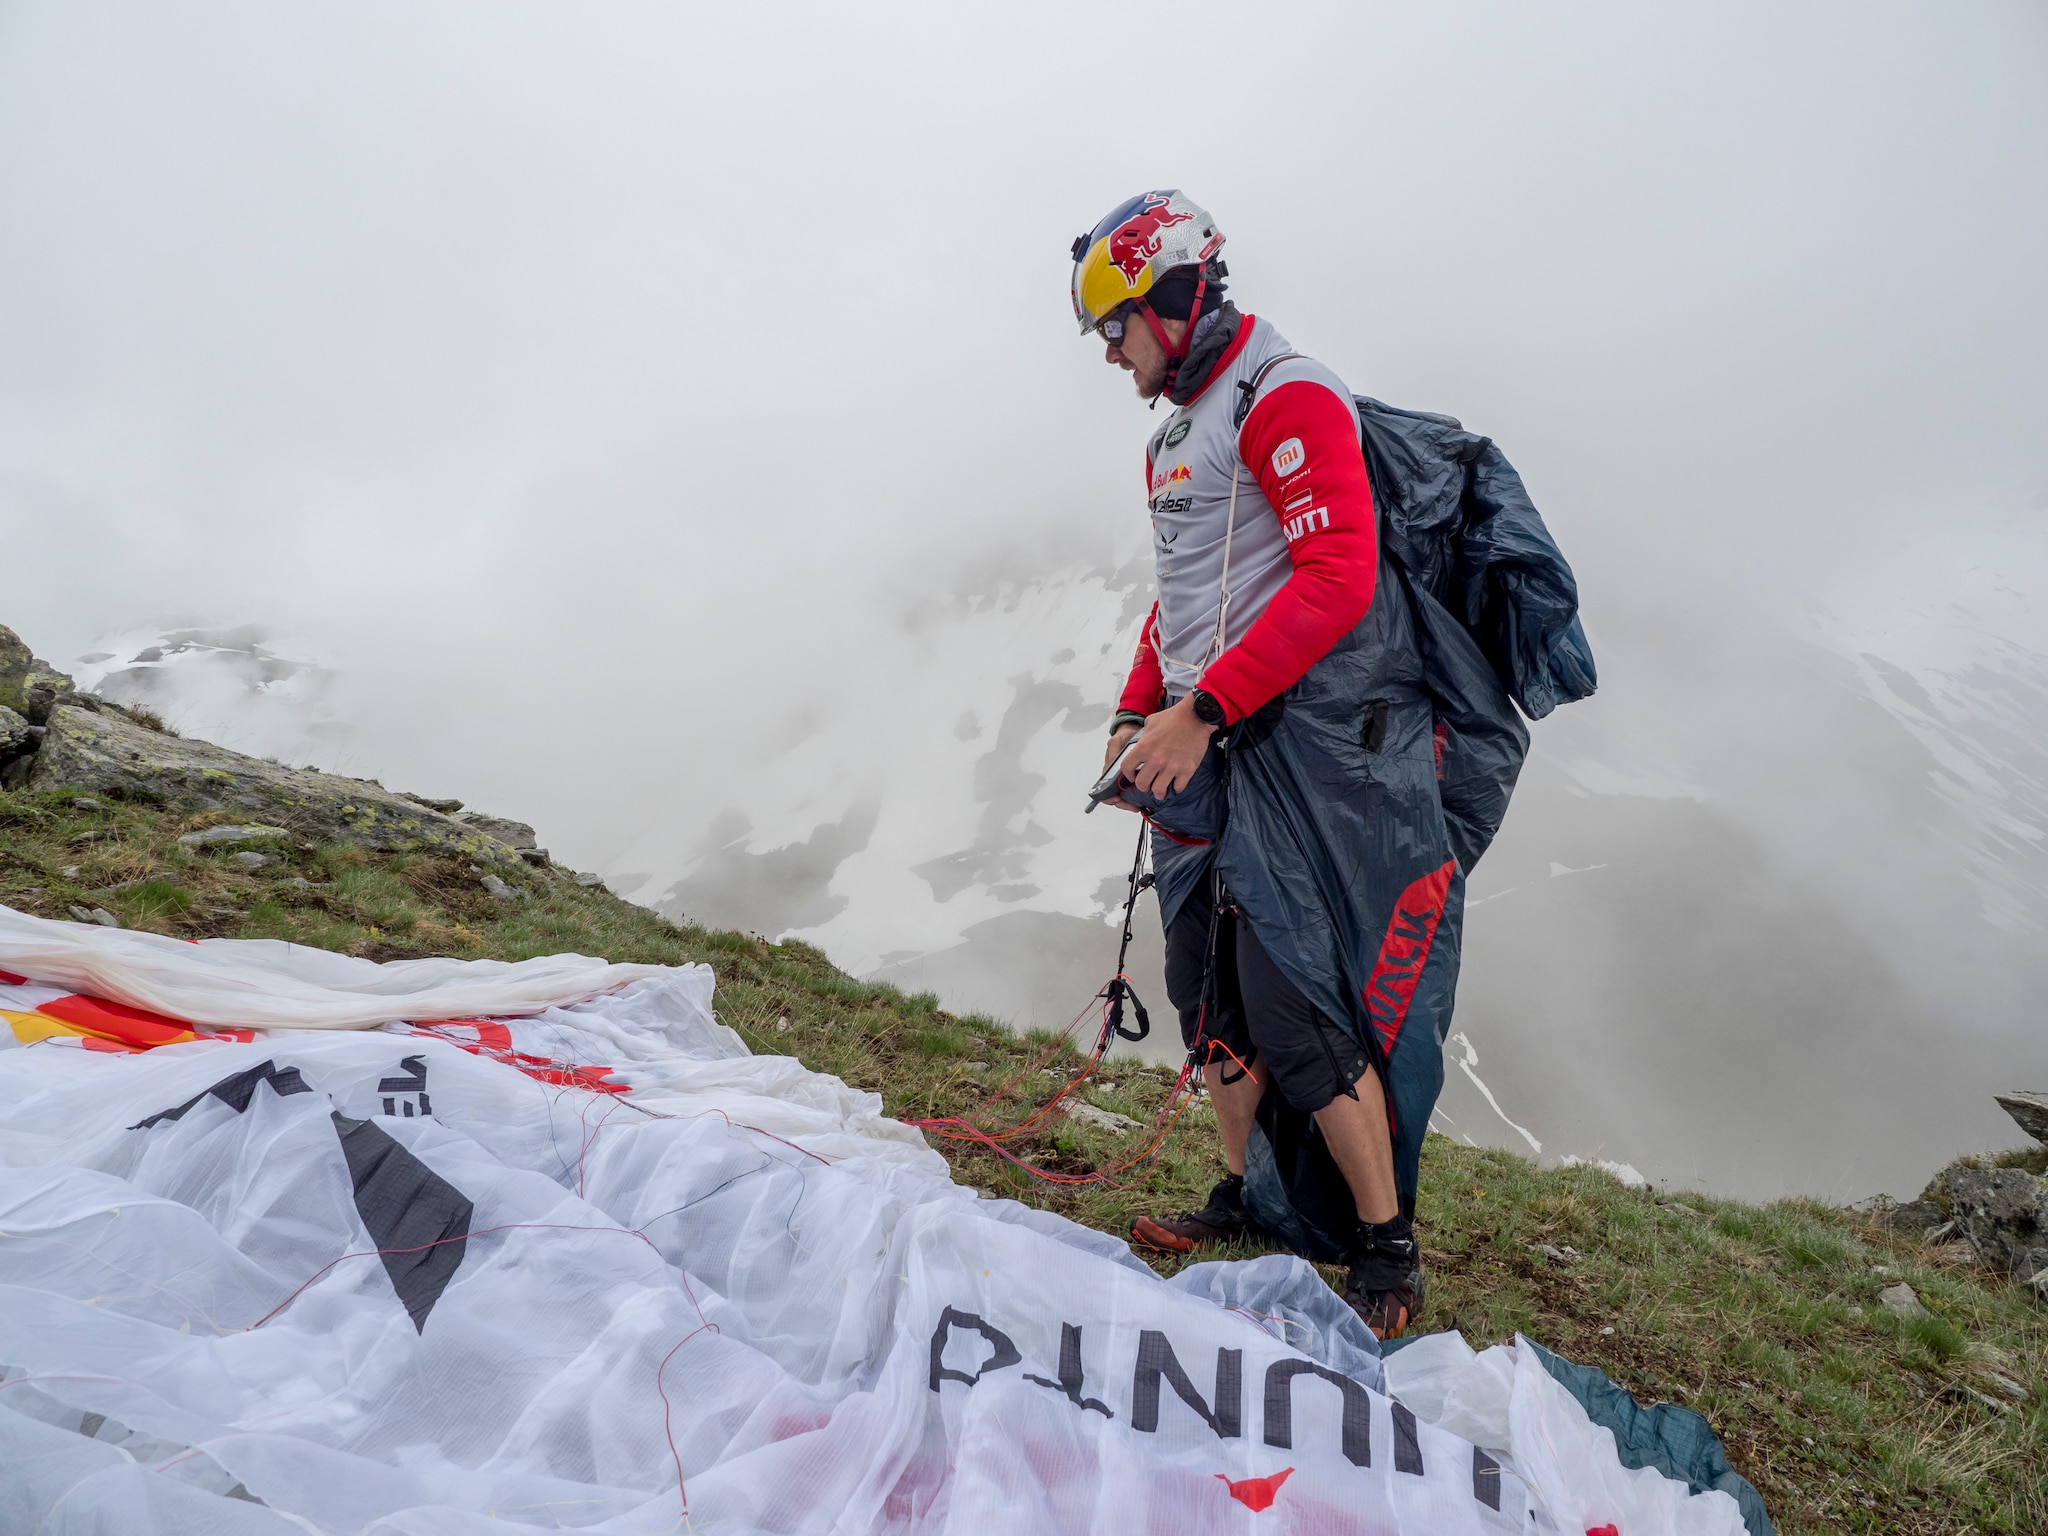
[(1176, 353)]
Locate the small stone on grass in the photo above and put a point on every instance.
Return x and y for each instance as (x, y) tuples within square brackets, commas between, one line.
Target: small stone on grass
[(214, 837), (1901, 1300), (1097, 1119)]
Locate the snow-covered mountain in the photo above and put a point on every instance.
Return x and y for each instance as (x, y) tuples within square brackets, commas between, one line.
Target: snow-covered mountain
[(1765, 913), (244, 686)]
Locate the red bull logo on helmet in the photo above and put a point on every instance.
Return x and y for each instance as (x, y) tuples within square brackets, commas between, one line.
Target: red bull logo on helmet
[(1133, 243)]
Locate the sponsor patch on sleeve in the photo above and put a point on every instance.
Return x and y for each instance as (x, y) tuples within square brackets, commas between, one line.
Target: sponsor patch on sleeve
[(1289, 458)]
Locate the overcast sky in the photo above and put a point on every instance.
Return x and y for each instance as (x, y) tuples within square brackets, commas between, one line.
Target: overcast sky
[(597, 389)]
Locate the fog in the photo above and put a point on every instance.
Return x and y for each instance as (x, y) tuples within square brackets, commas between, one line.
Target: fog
[(665, 424)]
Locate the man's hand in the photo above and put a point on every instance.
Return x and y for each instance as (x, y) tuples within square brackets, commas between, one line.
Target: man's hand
[(1117, 738), (1170, 748)]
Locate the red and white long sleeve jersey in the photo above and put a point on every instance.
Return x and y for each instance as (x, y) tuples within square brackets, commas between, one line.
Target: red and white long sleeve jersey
[(1305, 548)]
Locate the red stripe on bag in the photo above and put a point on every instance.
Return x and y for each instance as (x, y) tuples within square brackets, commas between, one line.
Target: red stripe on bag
[(1404, 952)]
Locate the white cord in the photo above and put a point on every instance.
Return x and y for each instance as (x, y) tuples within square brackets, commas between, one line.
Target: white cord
[(1223, 582)]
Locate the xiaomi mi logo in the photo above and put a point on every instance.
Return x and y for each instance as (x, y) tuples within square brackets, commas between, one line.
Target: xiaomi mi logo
[(1288, 458)]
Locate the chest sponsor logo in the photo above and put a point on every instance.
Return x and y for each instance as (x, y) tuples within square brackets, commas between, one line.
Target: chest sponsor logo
[(1289, 458), (1180, 474), (1171, 506), (1176, 433)]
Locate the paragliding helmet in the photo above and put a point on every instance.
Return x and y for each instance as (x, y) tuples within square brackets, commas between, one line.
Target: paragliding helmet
[(1120, 261)]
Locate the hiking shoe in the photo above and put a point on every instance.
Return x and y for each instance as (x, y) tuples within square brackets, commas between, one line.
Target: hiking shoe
[(1224, 1219), (1385, 1288)]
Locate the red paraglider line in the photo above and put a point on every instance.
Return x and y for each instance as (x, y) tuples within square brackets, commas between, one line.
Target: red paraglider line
[(954, 1128), (545, 1226), (675, 1455)]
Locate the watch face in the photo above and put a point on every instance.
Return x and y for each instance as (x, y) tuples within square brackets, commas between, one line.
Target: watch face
[(1207, 710)]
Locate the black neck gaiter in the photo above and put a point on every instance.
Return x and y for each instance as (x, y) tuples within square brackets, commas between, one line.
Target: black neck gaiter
[(1213, 335)]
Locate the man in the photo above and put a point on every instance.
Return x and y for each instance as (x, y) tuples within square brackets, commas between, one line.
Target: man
[(1268, 557)]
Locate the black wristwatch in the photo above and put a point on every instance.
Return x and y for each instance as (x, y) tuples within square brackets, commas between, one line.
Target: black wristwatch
[(1206, 706)]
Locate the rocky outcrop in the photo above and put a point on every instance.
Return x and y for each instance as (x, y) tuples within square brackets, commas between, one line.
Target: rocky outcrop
[(2029, 1112), (1991, 1209), (102, 753), (2004, 1214), (55, 737), (29, 686)]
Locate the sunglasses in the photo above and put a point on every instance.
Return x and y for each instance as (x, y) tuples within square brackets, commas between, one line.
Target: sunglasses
[(1111, 326)]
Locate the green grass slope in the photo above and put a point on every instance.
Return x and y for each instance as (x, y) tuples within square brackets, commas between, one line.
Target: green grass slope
[(1764, 1318)]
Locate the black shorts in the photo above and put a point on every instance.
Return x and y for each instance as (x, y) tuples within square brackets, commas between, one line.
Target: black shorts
[(1257, 1012)]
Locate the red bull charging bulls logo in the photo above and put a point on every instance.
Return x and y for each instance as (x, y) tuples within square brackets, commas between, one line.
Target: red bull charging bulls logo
[(1133, 243)]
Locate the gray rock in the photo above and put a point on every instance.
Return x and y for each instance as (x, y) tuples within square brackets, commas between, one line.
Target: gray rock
[(98, 915), (1916, 1218), (500, 890), (2030, 1110), (1097, 1119), (15, 665), (253, 861), (16, 734), (215, 837), (299, 881), (445, 807), (589, 881), (1996, 1369), (538, 857), (107, 756), (513, 834), (1901, 1300), (86, 803), (2003, 1212), (28, 685)]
